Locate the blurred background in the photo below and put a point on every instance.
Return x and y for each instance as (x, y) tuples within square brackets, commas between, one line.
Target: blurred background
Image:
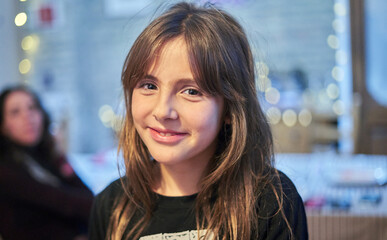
[(321, 80)]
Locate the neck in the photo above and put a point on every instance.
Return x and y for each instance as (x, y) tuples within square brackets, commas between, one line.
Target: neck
[(180, 180)]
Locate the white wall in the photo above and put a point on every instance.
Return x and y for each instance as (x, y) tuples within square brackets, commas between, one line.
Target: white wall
[(9, 44)]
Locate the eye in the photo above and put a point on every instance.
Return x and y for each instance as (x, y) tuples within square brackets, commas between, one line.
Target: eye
[(148, 86), (33, 107), (192, 92), (14, 112)]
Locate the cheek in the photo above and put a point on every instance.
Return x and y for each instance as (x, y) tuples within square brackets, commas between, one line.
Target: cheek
[(12, 129), (206, 121), (139, 109), (39, 120)]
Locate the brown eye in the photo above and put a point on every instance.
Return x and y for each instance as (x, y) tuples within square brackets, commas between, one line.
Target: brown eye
[(149, 86), (192, 92), (14, 112)]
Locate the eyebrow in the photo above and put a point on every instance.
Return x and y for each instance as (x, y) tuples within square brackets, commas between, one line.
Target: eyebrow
[(181, 80)]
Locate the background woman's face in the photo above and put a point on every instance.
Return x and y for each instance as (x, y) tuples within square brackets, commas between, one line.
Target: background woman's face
[(23, 120)]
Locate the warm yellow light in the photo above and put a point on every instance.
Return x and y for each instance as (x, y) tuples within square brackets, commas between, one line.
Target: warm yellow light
[(106, 115), (340, 9), (305, 117), (323, 97), (30, 43), (333, 41), (24, 66), (273, 115), (338, 107), (337, 73), (263, 83), (262, 69), (20, 19), (289, 117), (272, 95), (333, 91), (338, 26), (23, 0), (341, 57)]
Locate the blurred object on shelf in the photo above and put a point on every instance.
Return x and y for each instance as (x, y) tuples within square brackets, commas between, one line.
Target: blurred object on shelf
[(345, 196)]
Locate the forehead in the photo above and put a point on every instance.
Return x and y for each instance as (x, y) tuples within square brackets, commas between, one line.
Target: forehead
[(172, 50), (18, 98)]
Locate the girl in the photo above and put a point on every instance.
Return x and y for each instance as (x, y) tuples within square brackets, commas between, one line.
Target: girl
[(198, 150), (40, 195)]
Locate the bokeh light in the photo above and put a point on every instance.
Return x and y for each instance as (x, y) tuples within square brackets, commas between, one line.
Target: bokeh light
[(333, 91), (106, 115), (338, 107), (30, 43), (341, 57), (272, 95), (338, 26), (273, 115), (262, 82), (20, 19), (24, 66), (337, 73), (340, 9), (333, 42), (289, 117), (305, 117)]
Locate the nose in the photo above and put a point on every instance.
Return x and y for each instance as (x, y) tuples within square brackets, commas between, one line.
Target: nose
[(29, 115), (165, 108)]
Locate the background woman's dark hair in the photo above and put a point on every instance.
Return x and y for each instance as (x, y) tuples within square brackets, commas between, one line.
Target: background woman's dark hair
[(46, 144)]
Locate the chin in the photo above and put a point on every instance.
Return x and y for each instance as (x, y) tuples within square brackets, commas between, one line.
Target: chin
[(31, 142)]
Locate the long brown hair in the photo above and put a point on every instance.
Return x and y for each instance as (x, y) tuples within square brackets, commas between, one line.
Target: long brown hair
[(223, 65)]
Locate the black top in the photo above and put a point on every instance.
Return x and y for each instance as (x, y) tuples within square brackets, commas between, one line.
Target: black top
[(41, 199), (174, 217)]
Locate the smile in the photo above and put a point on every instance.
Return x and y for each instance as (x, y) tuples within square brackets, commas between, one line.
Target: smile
[(166, 136)]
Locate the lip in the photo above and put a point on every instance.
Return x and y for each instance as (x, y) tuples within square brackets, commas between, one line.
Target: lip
[(166, 136)]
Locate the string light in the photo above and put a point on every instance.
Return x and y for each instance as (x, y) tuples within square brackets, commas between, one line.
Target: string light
[(333, 91), (341, 57), (24, 66), (338, 26), (340, 9), (106, 115), (262, 82), (272, 95), (20, 19), (337, 73), (274, 115), (333, 41), (289, 117), (338, 107), (305, 117), (30, 43)]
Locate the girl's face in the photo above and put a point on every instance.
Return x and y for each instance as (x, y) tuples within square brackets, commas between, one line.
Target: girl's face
[(23, 120), (177, 121)]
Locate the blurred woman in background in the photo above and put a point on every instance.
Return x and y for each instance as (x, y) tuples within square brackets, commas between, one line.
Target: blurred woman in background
[(41, 197)]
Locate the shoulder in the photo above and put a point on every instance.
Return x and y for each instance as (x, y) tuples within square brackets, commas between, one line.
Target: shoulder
[(280, 202), (282, 187), (108, 196), (102, 209)]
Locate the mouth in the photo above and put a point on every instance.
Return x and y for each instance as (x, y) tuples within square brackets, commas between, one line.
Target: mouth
[(166, 136)]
